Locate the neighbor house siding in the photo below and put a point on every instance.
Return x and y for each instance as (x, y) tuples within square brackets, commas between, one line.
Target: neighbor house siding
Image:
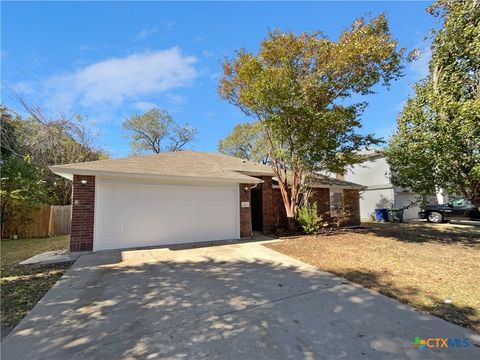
[(83, 211), (245, 212), (374, 174)]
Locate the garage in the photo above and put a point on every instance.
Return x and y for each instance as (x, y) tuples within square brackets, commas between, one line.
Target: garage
[(160, 199), (138, 215)]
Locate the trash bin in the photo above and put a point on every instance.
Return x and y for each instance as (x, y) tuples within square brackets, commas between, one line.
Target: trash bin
[(396, 215), (381, 215)]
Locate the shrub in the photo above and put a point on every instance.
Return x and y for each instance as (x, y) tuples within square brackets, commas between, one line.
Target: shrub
[(342, 218), (308, 218)]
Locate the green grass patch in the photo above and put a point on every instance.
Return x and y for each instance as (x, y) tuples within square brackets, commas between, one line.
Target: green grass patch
[(22, 286)]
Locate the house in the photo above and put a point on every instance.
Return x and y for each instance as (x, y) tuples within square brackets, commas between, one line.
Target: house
[(374, 174), (182, 197)]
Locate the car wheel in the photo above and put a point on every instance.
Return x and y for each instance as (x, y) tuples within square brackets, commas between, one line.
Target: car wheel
[(435, 217)]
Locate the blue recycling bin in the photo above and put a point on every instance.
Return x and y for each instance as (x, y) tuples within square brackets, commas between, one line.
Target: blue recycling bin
[(381, 215)]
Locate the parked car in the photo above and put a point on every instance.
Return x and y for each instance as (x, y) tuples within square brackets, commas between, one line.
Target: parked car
[(457, 209)]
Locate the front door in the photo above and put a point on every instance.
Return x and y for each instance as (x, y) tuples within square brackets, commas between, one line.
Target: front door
[(257, 213)]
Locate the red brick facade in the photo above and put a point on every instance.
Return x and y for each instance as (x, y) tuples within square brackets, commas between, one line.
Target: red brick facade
[(272, 209), (351, 200), (83, 210), (279, 213), (267, 202), (245, 212), (321, 196), (274, 214)]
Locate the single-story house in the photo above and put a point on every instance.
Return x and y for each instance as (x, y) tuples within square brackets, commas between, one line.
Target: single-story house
[(182, 197)]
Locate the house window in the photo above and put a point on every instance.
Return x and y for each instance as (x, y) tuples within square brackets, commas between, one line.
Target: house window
[(336, 202)]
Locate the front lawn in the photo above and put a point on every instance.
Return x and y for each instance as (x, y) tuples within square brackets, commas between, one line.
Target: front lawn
[(419, 264), (22, 286)]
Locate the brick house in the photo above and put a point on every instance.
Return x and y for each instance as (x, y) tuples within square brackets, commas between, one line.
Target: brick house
[(184, 197)]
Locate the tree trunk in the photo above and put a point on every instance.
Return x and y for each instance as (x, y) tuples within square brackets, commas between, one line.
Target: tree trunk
[(292, 224), (3, 217), (476, 201), (288, 191)]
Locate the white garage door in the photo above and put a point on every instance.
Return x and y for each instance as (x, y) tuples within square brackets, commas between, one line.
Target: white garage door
[(150, 215)]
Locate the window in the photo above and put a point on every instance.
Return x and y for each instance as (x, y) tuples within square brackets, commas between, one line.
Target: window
[(460, 202), (336, 202)]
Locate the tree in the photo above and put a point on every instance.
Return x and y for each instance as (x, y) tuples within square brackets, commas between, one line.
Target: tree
[(299, 88), (22, 190), (55, 141), (28, 146), (21, 185), (437, 142), (155, 131), (9, 140), (48, 141), (246, 141)]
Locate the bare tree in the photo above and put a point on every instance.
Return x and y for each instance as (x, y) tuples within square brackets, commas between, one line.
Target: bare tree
[(53, 141), (155, 131)]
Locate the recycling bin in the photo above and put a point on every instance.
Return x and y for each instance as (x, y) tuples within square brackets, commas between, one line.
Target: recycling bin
[(381, 215)]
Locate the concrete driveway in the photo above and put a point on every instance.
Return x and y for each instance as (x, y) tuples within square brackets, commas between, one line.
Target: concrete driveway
[(240, 301)]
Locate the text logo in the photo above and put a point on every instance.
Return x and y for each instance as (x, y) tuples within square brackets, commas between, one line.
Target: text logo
[(440, 343)]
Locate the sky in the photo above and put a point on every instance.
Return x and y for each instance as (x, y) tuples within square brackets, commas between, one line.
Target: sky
[(110, 60)]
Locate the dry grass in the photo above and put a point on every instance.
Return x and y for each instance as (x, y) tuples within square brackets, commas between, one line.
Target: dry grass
[(419, 264), (22, 286)]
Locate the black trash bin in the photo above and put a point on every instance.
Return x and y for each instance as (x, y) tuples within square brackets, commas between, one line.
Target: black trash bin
[(395, 215)]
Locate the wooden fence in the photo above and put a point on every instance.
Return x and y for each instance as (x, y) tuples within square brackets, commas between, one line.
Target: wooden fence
[(61, 219), (47, 220)]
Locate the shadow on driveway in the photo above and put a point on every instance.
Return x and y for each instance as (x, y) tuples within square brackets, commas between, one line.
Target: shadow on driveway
[(225, 302)]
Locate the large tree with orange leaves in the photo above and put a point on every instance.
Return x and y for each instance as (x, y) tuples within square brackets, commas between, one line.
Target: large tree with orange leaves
[(300, 88)]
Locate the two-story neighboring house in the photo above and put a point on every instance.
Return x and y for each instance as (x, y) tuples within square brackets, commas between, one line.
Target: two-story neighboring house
[(374, 173)]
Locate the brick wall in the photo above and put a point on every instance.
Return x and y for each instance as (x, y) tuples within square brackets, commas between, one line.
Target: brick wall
[(83, 209), (321, 196), (267, 208), (280, 220), (245, 212), (351, 200)]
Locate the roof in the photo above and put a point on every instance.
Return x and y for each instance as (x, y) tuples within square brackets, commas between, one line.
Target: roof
[(371, 154), (325, 181), (185, 164), (322, 180), (180, 164)]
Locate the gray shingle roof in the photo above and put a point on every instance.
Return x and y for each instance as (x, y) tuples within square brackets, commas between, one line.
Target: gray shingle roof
[(185, 164), (172, 164), (325, 181)]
